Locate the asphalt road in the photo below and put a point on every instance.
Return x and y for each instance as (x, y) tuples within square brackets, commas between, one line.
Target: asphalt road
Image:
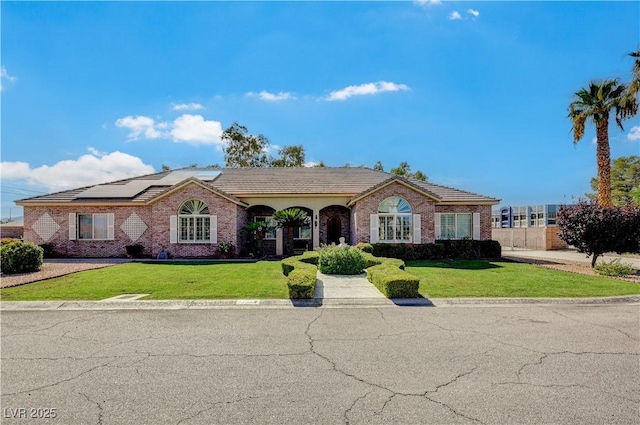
[(559, 364)]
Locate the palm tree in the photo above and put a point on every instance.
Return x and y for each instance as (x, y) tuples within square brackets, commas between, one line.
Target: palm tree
[(634, 86), (288, 219), (595, 103)]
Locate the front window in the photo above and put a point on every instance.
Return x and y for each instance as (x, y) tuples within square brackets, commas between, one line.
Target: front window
[(302, 232), (270, 232), (394, 215), (456, 226), (194, 222), (92, 226)]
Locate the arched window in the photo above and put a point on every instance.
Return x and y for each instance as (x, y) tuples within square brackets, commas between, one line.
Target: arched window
[(394, 215), (194, 222)]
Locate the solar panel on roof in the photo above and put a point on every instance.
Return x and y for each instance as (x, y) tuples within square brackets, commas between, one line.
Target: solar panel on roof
[(127, 190), (177, 176)]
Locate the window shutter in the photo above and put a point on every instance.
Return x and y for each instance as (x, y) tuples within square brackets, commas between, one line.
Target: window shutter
[(110, 226), (374, 223), (72, 226), (476, 226), (417, 229), (213, 228), (438, 225), (173, 229)]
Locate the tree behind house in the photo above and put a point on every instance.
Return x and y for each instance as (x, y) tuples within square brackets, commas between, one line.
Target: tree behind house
[(625, 180)]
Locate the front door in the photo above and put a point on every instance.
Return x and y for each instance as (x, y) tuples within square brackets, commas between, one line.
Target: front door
[(334, 230)]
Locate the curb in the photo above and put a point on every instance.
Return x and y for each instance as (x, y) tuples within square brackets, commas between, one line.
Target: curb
[(310, 303)]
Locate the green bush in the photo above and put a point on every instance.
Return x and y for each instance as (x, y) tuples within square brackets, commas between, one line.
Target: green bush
[(20, 257), (614, 268), (365, 247), (301, 283), (134, 251), (336, 260), (466, 248), (301, 274), (394, 282), (470, 249), (376, 261)]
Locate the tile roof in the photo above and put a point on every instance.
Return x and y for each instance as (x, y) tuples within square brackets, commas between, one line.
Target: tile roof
[(242, 182)]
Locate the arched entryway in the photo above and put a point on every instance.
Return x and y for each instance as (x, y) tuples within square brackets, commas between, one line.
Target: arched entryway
[(335, 222)]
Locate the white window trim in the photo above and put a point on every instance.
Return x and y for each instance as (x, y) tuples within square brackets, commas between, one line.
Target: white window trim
[(395, 232), (75, 221), (475, 218), (194, 241)]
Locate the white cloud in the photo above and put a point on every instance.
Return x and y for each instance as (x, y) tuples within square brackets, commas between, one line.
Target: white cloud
[(186, 106), (140, 126), (93, 168), (424, 3), (187, 128), (194, 129), (473, 12), (634, 134), (310, 164), (455, 15), (365, 89), (594, 141), (272, 97), (4, 75)]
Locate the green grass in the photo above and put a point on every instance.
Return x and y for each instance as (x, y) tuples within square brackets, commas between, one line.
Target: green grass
[(474, 278), (263, 279)]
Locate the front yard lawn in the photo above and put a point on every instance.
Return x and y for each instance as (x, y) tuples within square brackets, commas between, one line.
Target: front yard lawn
[(477, 278), (262, 279)]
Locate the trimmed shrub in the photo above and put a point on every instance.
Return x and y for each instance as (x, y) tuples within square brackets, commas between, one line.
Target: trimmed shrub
[(336, 260), (20, 257), (614, 268), (465, 248), (365, 247), (301, 274), (134, 251), (470, 249), (302, 283), (394, 282), (372, 260)]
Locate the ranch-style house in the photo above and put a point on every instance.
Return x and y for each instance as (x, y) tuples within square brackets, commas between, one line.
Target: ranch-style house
[(187, 212)]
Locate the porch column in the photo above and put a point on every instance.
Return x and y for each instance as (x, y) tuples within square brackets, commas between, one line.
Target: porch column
[(279, 240), (316, 229)]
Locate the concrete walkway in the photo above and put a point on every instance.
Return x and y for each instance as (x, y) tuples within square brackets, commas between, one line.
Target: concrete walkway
[(343, 286), (567, 255)]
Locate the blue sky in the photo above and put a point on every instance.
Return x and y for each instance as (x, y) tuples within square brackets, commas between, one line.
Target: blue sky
[(474, 94)]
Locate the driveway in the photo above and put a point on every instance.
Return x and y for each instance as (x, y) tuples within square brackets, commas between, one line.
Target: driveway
[(560, 364)]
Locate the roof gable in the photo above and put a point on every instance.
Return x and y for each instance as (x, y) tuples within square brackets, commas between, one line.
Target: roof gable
[(391, 180), (192, 180)]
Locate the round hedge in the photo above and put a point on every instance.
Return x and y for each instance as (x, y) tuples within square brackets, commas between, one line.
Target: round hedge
[(20, 257), (337, 260)]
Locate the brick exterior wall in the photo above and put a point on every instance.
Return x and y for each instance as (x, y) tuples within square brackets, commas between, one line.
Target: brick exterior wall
[(343, 214), (485, 215), (369, 205), (231, 218), (88, 248)]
